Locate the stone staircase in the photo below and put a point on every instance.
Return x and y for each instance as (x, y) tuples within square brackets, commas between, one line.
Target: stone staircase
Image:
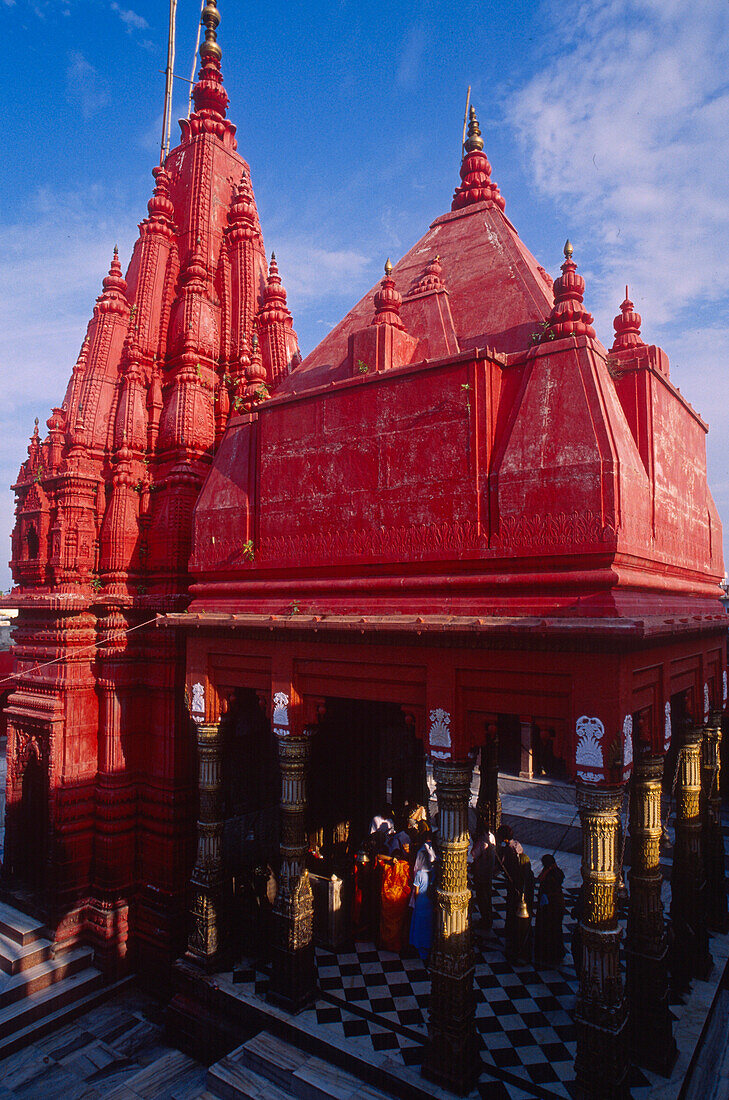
[(267, 1067), (40, 989)]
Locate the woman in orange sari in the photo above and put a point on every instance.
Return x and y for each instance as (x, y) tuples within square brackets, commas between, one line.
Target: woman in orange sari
[(395, 899)]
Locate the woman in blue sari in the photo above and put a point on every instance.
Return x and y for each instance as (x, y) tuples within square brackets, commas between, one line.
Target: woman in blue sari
[(421, 925)]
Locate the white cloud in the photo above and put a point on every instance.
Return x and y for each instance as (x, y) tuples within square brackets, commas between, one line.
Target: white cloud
[(131, 19), (84, 87), (411, 57), (624, 128)]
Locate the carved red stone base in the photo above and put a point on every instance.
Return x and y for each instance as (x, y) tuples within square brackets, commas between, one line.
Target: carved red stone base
[(107, 928)]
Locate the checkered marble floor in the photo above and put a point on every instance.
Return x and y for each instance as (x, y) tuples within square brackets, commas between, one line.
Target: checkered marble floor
[(376, 1003)]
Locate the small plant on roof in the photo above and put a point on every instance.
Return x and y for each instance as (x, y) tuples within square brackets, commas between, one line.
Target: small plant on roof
[(362, 367), (248, 552), (97, 584)]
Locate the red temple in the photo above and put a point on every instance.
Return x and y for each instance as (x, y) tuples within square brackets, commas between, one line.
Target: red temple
[(459, 519)]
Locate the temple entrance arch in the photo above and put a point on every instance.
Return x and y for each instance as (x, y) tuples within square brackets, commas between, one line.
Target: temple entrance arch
[(377, 759)]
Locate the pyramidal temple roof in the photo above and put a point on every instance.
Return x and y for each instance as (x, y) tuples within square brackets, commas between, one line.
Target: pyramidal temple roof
[(497, 291)]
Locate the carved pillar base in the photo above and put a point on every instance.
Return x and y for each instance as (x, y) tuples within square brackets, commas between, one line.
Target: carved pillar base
[(646, 952), (451, 1056), (601, 1014), (206, 939), (690, 955), (293, 979), (714, 859), (488, 804)]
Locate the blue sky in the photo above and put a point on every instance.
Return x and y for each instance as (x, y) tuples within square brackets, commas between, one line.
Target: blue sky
[(605, 120)]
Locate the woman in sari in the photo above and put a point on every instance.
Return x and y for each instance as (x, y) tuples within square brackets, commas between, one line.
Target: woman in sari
[(394, 898), (421, 924)]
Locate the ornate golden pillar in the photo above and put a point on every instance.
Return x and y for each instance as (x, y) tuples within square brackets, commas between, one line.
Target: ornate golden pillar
[(488, 803), (601, 1013), (691, 958), (293, 981), (451, 1056), (205, 942), (716, 901), (646, 948)]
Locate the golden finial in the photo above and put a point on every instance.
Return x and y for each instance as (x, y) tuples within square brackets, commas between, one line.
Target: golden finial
[(210, 20), (474, 140), (568, 250), (388, 267)]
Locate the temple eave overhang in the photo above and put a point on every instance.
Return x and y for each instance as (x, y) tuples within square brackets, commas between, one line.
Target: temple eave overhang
[(467, 625)]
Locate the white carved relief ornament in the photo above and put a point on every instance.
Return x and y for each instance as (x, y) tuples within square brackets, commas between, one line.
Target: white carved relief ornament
[(439, 734), (724, 687), (589, 754), (281, 712), (706, 701), (627, 745), (198, 703), (667, 727)]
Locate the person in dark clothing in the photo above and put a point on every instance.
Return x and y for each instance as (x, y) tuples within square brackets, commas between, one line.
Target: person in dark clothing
[(484, 859), (509, 851), (549, 947)]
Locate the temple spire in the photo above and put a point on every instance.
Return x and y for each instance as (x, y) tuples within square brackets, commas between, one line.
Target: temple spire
[(211, 99), (473, 140), (627, 326), (211, 22), (569, 316), (476, 183)]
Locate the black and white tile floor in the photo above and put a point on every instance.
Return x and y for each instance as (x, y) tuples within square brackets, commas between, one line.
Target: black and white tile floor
[(376, 1002)]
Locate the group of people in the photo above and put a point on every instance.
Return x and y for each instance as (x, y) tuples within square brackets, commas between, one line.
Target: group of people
[(541, 942), (394, 885), (394, 882)]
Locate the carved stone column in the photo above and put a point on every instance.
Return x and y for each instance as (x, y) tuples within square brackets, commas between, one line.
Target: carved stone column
[(691, 956), (293, 981), (488, 804), (601, 1012), (451, 1056), (646, 949), (206, 934), (717, 917)]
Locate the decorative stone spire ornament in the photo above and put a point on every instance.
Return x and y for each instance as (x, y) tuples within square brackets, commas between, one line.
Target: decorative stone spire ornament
[(569, 316), (476, 184), (388, 301), (256, 389), (627, 326), (161, 210), (113, 298), (431, 279), (279, 342)]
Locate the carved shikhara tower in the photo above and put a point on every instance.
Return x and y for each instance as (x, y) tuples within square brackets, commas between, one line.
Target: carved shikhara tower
[(101, 763)]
